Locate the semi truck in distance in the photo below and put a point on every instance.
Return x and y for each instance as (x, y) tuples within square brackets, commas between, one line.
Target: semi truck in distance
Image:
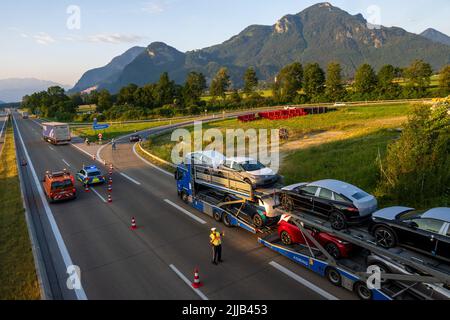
[(25, 115), (56, 133)]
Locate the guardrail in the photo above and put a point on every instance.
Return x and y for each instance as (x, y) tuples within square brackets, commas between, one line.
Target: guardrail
[(167, 163)]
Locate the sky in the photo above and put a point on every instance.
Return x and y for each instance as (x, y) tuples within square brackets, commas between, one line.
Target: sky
[(59, 40)]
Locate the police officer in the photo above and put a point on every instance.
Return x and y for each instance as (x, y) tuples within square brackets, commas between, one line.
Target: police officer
[(216, 243)]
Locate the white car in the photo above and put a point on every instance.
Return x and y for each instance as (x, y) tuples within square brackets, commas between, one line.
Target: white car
[(208, 158), (251, 171)]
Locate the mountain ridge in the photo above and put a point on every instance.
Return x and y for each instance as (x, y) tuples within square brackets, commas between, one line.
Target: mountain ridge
[(436, 36), (14, 89)]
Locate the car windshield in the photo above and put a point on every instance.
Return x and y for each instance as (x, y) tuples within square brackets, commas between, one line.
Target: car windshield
[(360, 195), (94, 174), (409, 215), (252, 166), (59, 185)]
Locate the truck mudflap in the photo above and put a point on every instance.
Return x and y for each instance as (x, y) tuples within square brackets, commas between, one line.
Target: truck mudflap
[(318, 266)]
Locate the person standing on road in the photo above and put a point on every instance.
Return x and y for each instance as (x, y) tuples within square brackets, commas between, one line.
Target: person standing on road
[(216, 243), (113, 144)]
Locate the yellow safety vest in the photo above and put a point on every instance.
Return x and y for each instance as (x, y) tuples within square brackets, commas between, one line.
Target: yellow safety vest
[(215, 239)]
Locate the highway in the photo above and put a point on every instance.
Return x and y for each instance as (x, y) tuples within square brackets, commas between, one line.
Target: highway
[(2, 131), (156, 260)]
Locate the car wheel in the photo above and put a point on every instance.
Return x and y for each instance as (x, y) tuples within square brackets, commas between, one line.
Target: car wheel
[(258, 221), (287, 203), (362, 291), (226, 221), (333, 250), (338, 221), (217, 216), (333, 276), (385, 237), (286, 238)]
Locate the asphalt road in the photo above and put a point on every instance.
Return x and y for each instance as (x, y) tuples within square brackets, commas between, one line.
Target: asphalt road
[(149, 263)]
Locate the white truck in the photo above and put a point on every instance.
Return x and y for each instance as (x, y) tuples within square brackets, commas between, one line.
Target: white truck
[(56, 132)]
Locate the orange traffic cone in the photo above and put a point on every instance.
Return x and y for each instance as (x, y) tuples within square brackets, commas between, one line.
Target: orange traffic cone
[(109, 188), (196, 284), (109, 198), (86, 187), (133, 224), (94, 158)]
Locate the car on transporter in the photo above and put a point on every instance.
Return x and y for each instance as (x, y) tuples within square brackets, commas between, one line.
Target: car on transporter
[(427, 232), (341, 203)]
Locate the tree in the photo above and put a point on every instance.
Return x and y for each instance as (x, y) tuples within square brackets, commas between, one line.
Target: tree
[(126, 94), (386, 86), (415, 169), (365, 80), (314, 80), (418, 77), (288, 82), (165, 90), (194, 87), (250, 81), (444, 80), (334, 87), (104, 101), (220, 84)]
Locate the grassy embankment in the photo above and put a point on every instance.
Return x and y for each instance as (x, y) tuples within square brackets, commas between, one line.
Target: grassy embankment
[(342, 145), (17, 270)]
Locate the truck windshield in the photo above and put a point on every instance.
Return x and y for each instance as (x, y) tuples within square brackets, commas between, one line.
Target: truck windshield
[(60, 185), (252, 166)]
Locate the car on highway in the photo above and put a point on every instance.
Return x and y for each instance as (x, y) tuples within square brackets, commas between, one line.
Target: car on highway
[(290, 233), (59, 186), (207, 158), (341, 203), (135, 138), (90, 175), (250, 171), (427, 232)]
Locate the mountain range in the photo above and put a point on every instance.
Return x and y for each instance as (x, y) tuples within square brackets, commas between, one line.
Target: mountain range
[(14, 89), (321, 33), (436, 36)]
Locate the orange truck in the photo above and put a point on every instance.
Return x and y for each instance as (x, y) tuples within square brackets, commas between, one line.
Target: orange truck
[(59, 186)]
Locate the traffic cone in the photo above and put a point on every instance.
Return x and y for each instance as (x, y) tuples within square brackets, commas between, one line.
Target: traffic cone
[(86, 187), (109, 198), (109, 188), (110, 180), (196, 284), (133, 224), (94, 158)]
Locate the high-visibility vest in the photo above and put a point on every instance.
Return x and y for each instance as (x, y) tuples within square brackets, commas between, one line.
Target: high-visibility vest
[(215, 239)]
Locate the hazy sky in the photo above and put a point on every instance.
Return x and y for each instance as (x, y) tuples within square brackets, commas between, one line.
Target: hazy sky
[(37, 42)]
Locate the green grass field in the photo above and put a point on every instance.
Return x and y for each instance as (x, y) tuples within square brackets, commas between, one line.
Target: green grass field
[(17, 270)]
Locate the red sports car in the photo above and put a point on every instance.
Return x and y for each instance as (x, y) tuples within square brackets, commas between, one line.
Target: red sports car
[(290, 233)]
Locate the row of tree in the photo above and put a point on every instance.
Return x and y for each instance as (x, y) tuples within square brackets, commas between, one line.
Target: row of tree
[(294, 83)]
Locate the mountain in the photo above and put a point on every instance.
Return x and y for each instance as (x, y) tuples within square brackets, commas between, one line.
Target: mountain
[(108, 73), (436, 36), (321, 33), (13, 89)]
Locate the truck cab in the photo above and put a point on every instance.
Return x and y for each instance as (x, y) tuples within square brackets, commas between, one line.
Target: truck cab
[(59, 186)]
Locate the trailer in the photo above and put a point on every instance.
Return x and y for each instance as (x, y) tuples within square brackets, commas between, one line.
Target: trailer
[(410, 276), (221, 196), (56, 133)]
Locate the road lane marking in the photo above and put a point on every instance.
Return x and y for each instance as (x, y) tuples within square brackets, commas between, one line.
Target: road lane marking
[(51, 148), (185, 212), (303, 281), (149, 163), (84, 151), (186, 280), (66, 163), (81, 295), (99, 195), (129, 178)]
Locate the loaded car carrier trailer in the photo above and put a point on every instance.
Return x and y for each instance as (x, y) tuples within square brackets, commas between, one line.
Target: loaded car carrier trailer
[(233, 202)]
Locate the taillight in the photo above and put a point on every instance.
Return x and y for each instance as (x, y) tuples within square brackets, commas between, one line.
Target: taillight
[(74, 190), (351, 209)]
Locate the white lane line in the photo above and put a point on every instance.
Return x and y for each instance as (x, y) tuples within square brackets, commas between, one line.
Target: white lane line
[(304, 282), (81, 295), (149, 163), (84, 151), (51, 148), (186, 280), (38, 123), (66, 163), (129, 178), (99, 195), (185, 212)]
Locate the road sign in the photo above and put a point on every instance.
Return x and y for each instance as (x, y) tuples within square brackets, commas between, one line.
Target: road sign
[(100, 136), (101, 126)]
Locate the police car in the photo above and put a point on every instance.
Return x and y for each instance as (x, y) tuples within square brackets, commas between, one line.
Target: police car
[(90, 175)]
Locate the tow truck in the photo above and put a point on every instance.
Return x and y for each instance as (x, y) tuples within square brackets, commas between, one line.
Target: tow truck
[(228, 200)]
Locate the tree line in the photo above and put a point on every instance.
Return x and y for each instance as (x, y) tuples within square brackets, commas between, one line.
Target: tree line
[(294, 84)]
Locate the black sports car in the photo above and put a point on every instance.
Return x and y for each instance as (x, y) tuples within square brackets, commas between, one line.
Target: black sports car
[(427, 232), (135, 138)]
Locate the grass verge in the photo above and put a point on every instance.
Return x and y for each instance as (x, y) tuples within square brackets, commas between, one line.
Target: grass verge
[(17, 269)]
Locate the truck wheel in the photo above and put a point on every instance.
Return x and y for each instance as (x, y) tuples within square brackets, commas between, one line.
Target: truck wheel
[(217, 216), (362, 291), (338, 221), (258, 221), (226, 221), (286, 238), (333, 276)]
